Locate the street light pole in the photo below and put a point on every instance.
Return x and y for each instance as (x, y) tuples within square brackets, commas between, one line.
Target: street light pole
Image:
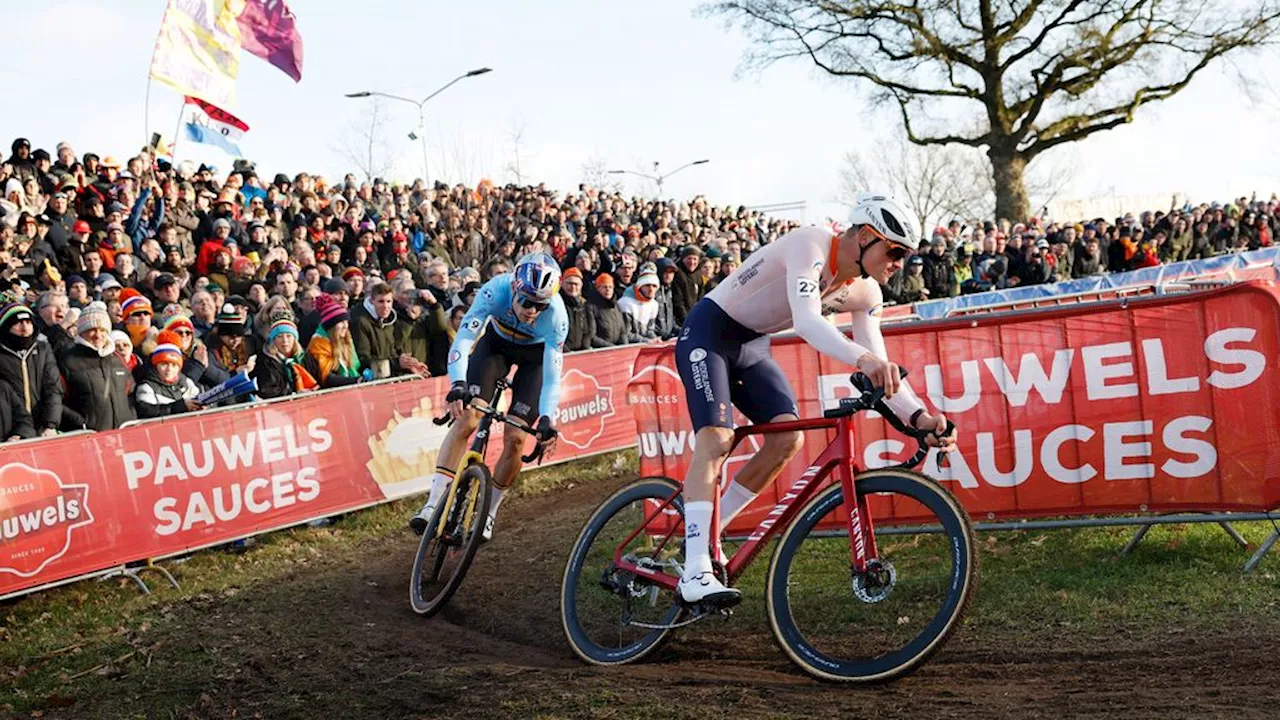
[(422, 121), (656, 178)]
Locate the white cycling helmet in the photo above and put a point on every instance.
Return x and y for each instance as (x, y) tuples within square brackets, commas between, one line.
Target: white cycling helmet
[(888, 216)]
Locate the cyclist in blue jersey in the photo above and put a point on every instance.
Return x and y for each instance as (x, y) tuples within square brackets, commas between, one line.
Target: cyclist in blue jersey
[(517, 319)]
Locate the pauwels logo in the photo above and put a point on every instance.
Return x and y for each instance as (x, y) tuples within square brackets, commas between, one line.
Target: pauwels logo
[(37, 515), (584, 406)]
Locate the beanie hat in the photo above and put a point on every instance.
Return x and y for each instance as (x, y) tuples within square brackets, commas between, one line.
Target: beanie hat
[(11, 311), (167, 349), (648, 275), (132, 301), (231, 315), (603, 279), (281, 324), (571, 272), (352, 272), (331, 311), (94, 315), (120, 336), (175, 317)]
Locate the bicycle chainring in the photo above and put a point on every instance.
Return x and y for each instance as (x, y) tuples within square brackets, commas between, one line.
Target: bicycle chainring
[(876, 583)]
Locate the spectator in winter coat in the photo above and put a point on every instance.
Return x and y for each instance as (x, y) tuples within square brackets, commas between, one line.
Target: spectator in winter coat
[(98, 385), (124, 351), (686, 288), (28, 365), (196, 363), (332, 346), (164, 388), (639, 304), (582, 323), (282, 368), (939, 274), (375, 333), (611, 326), (15, 421), (913, 289), (1088, 260)]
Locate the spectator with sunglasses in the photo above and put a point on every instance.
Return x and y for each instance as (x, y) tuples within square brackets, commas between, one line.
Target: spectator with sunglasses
[(517, 319)]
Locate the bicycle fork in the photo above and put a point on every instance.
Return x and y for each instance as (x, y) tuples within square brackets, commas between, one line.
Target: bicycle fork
[(862, 539)]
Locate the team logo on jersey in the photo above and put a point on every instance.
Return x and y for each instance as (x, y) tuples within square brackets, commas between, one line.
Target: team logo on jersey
[(875, 311), (684, 332), (697, 355), (806, 287), (454, 356), (584, 406)]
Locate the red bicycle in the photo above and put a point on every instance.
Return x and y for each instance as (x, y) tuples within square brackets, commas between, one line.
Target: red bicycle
[(869, 576)]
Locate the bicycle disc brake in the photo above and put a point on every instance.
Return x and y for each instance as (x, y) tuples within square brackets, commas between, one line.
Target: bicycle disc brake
[(876, 583)]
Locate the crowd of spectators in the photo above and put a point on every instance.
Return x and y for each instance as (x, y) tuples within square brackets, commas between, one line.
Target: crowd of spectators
[(127, 289)]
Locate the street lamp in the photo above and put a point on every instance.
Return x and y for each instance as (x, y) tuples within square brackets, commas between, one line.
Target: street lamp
[(658, 178), (421, 129)]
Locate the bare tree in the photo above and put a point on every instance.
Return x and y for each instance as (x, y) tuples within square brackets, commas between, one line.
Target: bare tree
[(595, 174), (363, 142), (1016, 77), (515, 135), (933, 181)]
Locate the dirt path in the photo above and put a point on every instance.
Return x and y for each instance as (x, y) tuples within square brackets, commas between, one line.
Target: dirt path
[(343, 644)]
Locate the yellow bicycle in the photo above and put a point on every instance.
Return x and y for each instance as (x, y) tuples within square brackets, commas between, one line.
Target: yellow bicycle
[(451, 539)]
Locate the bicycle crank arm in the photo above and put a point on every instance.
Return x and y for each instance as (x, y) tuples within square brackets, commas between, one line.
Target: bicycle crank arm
[(697, 616)]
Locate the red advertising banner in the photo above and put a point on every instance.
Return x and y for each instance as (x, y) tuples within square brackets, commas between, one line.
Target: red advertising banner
[(77, 505), (1158, 405)]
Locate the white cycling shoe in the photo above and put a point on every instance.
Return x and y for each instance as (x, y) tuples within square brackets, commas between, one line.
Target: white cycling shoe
[(418, 523), (705, 588), (486, 533)]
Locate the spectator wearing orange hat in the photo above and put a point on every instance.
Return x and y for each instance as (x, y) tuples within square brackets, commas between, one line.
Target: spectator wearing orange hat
[(582, 323), (196, 363), (136, 310), (611, 326), (164, 389)]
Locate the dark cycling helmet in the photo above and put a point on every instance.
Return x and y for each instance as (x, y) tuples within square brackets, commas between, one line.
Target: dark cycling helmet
[(537, 277)]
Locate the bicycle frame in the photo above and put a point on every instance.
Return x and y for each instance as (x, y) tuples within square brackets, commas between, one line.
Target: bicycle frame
[(838, 456), (474, 454)]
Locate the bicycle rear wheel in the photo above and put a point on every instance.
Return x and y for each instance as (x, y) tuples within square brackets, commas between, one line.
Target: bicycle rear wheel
[(450, 543), (880, 625), (604, 610)]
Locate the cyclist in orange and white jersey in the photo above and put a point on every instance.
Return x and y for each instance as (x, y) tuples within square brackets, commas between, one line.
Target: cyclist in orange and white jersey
[(724, 358)]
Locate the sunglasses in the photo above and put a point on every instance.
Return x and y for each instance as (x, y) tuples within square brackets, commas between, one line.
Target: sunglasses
[(183, 333), (140, 313), (532, 304)]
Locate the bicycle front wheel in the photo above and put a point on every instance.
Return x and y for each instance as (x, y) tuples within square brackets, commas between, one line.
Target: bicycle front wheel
[(450, 542), (611, 616), (875, 626)]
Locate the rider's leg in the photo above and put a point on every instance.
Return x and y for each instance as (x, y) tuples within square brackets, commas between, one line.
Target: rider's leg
[(507, 469), (451, 451), (761, 470), (763, 393), (709, 453)]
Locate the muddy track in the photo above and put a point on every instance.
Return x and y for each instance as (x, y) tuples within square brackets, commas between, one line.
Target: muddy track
[(342, 642)]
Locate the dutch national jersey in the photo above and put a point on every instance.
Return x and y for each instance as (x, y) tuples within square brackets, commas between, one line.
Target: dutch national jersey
[(801, 267), (492, 312)]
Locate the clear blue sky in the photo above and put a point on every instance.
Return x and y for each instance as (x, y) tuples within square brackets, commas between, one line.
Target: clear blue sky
[(626, 82)]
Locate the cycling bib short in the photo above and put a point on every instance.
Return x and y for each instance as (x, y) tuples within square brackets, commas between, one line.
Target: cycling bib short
[(722, 363)]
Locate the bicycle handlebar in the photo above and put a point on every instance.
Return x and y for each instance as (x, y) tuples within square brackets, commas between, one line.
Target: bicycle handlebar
[(539, 450), (872, 398)]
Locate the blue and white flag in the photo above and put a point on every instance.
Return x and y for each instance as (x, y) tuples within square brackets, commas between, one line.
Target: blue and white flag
[(211, 125)]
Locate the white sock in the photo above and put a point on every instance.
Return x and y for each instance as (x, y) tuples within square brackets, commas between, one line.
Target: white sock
[(495, 499), (735, 498), (439, 486), (697, 527)]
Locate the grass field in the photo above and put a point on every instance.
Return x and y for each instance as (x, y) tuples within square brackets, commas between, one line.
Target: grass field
[(77, 644)]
